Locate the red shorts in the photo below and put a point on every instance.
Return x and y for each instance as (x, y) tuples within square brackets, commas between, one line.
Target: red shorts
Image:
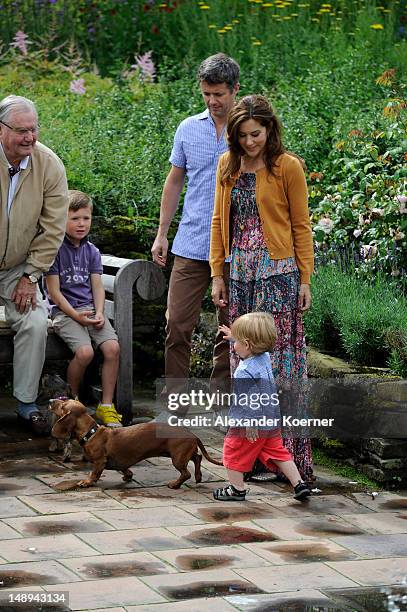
[(240, 454)]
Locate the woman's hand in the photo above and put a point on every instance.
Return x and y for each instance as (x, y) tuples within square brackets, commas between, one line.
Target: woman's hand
[(304, 298), (219, 293)]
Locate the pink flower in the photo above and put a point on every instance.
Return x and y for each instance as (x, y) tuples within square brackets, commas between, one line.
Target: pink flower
[(77, 86), (146, 66), (20, 42)]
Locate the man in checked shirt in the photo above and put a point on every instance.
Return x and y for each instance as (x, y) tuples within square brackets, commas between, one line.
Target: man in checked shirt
[(199, 141)]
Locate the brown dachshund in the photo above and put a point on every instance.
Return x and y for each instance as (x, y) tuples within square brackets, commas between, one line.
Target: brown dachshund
[(120, 448)]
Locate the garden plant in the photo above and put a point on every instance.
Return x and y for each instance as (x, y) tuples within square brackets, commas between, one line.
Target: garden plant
[(113, 78)]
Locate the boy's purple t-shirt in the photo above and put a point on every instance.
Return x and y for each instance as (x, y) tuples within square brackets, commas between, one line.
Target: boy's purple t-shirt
[(74, 265)]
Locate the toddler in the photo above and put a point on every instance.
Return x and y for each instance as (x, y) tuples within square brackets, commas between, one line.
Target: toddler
[(253, 335)]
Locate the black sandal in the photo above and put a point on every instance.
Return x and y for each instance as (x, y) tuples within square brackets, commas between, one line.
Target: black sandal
[(229, 493)]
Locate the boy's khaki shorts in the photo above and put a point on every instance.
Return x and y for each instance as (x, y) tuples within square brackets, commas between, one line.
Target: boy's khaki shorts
[(76, 335)]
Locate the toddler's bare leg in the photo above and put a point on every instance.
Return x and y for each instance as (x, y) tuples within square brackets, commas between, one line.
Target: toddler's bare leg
[(236, 479), (289, 470)]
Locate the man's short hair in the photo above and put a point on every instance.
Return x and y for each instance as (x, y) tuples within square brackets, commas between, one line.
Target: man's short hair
[(79, 199), (15, 103), (219, 68)]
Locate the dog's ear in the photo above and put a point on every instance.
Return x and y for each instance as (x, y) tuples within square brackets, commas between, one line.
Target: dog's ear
[(64, 426), (77, 408)]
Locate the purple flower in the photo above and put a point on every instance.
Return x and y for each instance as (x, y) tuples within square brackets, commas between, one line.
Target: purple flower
[(77, 86), (146, 65), (20, 42)]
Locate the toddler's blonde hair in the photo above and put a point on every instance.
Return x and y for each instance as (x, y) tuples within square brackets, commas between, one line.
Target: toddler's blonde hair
[(258, 329)]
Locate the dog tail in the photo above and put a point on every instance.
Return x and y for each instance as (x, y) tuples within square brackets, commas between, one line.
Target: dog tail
[(206, 454)]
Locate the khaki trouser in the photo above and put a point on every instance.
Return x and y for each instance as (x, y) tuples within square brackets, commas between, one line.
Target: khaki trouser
[(30, 339), (189, 281)]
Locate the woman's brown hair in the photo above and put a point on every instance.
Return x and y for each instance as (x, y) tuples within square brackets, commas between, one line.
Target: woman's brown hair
[(258, 108)]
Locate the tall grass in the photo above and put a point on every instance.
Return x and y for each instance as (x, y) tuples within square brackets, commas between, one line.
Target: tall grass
[(361, 320)]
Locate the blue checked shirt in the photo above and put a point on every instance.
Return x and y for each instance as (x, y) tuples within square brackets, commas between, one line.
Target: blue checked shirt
[(197, 149)]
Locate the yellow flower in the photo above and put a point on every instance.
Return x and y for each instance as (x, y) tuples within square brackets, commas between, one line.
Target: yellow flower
[(377, 26), (227, 27), (211, 25), (222, 31), (235, 21), (204, 7), (387, 77), (324, 10), (287, 17), (256, 42)]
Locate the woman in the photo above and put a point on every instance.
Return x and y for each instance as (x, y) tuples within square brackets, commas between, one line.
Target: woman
[(261, 219)]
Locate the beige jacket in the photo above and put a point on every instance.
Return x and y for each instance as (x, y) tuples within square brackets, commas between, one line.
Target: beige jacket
[(282, 201), (34, 229)]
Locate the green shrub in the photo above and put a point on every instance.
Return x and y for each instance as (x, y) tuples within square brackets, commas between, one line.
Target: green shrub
[(363, 321)]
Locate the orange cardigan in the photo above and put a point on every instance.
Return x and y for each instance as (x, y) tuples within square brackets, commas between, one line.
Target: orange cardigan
[(282, 201)]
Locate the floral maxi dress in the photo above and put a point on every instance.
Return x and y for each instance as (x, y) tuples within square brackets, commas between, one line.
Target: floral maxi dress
[(259, 283)]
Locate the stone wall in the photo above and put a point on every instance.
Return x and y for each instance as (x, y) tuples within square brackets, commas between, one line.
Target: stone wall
[(383, 459)]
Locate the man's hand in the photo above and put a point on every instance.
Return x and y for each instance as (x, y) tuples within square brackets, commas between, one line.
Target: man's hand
[(86, 317), (304, 298), (219, 292), (159, 251), (24, 295), (252, 434)]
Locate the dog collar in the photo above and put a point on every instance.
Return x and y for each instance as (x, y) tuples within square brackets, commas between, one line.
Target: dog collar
[(89, 434)]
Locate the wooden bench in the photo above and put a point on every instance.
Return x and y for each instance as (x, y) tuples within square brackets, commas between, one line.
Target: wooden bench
[(119, 277)]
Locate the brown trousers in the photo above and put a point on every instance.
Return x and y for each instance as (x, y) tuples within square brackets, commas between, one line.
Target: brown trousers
[(189, 281)]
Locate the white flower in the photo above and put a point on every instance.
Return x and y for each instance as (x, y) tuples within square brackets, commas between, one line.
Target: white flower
[(357, 233), (377, 212), (399, 235), (326, 224), (402, 200), (368, 251)]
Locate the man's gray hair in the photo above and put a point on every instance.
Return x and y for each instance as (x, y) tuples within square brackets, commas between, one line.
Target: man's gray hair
[(15, 103), (219, 68)]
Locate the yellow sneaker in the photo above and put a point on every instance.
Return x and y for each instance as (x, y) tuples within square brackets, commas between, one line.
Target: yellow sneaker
[(108, 415)]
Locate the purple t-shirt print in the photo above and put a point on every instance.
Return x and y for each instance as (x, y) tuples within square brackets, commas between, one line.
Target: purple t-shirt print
[(74, 265)]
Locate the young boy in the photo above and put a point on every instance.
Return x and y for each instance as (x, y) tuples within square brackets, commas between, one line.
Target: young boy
[(77, 297), (253, 335)]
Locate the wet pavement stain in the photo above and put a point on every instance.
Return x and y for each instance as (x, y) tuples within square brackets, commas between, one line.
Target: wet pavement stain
[(10, 579), (371, 599), (14, 469), (209, 589), (394, 504), (226, 514), (299, 605), (327, 529), (230, 535), (202, 562), (122, 569), (6, 489), (45, 528), (66, 485), (148, 494), (309, 551)]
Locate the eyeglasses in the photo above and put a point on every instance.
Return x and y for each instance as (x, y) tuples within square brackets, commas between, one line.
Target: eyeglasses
[(21, 131)]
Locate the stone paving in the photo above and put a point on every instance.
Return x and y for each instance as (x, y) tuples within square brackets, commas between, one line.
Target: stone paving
[(142, 547)]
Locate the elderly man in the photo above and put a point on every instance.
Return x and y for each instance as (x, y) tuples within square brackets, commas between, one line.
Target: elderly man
[(33, 211), (199, 141)]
